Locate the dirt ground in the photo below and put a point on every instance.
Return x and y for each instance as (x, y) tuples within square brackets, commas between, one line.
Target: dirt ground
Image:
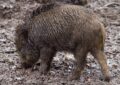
[(12, 13)]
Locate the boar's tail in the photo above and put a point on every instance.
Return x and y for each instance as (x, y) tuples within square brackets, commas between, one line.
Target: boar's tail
[(102, 37)]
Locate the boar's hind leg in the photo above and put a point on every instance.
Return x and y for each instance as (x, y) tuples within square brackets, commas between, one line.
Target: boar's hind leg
[(100, 56), (46, 56), (80, 56)]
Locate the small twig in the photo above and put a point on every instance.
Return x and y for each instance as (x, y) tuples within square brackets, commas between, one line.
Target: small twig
[(11, 51), (112, 4)]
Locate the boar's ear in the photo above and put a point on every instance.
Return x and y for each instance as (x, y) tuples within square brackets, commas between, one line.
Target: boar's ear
[(36, 11), (42, 8)]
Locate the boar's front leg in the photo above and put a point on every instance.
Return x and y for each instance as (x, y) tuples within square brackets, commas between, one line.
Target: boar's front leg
[(29, 56), (80, 56), (46, 56)]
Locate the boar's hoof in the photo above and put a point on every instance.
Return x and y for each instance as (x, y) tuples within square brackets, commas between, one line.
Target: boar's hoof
[(26, 66), (44, 69), (107, 79)]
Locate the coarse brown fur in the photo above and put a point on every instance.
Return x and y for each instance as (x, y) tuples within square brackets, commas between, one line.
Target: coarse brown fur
[(63, 28)]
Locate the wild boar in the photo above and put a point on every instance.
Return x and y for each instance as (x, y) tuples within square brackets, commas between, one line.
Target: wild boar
[(63, 28)]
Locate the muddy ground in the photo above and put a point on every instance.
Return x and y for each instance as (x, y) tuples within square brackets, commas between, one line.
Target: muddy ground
[(12, 13)]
